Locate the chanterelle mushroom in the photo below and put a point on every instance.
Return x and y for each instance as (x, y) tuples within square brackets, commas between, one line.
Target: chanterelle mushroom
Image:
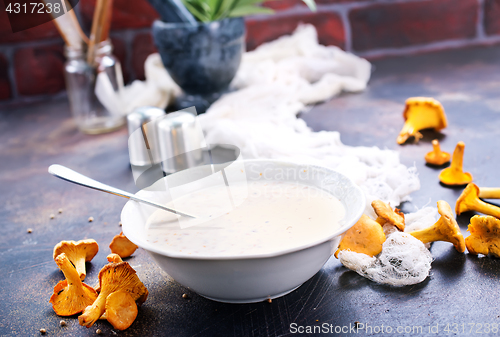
[(455, 175), (445, 229), (469, 201), (122, 246), (484, 235), (71, 296), (421, 113), (113, 258), (114, 277), (436, 156), (387, 215), (121, 310), (78, 253), (366, 236)]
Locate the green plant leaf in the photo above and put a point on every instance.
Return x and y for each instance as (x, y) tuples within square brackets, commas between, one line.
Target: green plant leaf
[(225, 8), (213, 10), (216, 7), (251, 2), (197, 10), (249, 10)]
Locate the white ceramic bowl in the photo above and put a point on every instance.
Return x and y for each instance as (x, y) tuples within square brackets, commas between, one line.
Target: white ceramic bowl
[(250, 278)]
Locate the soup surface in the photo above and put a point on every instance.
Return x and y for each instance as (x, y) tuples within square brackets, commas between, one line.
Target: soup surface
[(275, 216)]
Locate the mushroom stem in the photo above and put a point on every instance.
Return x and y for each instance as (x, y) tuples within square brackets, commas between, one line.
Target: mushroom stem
[(445, 229), (407, 131), (458, 157), (435, 146), (69, 271), (427, 235), (80, 266), (489, 192), (92, 313), (432, 233), (483, 207)]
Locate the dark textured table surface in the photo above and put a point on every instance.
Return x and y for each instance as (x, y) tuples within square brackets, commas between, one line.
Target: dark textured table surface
[(462, 289)]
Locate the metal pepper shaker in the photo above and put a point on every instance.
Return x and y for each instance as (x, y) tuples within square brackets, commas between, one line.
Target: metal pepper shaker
[(181, 141), (143, 145)]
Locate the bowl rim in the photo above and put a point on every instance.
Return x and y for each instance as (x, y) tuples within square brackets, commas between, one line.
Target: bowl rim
[(150, 248)]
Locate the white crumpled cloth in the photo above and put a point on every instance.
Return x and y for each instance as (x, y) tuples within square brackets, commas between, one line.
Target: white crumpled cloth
[(274, 83), (158, 90)]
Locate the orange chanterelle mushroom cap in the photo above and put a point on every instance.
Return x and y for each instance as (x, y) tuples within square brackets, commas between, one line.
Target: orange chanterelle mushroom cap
[(71, 296), (78, 252), (366, 236), (484, 235), (387, 215), (122, 246), (421, 113), (121, 310), (436, 156), (445, 229), (113, 258), (455, 175), (114, 277)]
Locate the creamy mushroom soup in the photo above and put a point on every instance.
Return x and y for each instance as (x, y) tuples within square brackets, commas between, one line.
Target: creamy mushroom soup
[(275, 216)]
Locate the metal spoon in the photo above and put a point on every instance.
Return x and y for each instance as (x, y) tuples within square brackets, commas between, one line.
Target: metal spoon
[(77, 178)]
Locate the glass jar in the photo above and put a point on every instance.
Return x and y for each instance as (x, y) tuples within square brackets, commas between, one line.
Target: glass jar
[(94, 103)]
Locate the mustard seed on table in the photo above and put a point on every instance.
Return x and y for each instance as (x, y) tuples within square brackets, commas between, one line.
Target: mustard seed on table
[(52, 216), (60, 210), (63, 323), (43, 331), (91, 219), (98, 331), (29, 230)]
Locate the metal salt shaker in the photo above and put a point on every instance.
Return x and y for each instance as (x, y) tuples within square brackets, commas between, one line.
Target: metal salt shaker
[(181, 141), (143, 139), (143, 147)]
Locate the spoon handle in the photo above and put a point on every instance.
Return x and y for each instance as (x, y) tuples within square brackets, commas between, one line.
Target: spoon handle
[(77, 178)]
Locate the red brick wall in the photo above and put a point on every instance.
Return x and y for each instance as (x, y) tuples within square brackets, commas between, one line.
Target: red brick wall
[(31, 62)]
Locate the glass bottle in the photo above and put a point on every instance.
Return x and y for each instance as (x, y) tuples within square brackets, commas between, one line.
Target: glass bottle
[(82, 79)]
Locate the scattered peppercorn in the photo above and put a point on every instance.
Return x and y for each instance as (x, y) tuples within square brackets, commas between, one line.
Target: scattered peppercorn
[(43, 331), (269, 300), (185, 296), (30, 230), (63, 323), (91, 219), (98, 331)]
